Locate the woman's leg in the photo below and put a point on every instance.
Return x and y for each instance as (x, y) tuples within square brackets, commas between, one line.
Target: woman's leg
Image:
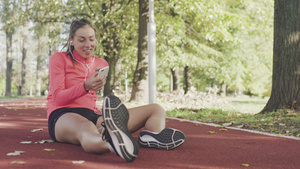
[(75, 129), (152, 117)]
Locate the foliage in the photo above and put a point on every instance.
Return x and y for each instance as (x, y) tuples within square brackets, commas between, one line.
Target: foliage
[(283, 122), (226, 41), (216, 39)]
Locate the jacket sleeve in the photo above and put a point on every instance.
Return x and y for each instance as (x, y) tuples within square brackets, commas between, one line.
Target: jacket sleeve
[(61, 95)]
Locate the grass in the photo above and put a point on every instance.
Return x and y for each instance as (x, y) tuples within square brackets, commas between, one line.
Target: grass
[(243, 113)]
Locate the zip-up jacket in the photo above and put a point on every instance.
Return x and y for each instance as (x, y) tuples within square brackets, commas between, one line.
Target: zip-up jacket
[(67, 76)]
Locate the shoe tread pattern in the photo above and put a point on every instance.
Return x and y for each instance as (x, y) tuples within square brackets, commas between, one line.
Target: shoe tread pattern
[(120, 116), (167, 139)]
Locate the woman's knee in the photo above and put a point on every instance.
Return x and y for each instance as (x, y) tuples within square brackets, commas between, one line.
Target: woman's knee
[(90, 139), (159, 110)]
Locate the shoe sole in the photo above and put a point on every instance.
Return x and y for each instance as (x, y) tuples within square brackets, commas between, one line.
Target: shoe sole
[(166, 140), (116, 118)]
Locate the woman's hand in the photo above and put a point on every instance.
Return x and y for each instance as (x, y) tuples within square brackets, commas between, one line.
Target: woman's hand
[(94, 83)]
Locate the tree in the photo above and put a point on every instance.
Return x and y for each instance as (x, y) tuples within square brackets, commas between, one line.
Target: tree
[(9, 27), (175, 81), (24, 21), (140, 78), (187, 79), (286, 59)]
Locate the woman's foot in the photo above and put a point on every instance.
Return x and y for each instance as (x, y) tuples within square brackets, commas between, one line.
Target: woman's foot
[(167, 139), (116, 117)]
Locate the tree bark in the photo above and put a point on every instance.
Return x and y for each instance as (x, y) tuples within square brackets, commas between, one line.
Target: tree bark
[(9, 62), (117, 75), (23, 90), (286, 60), (175, 83), (187, 81), (39, 69), (140, 78)]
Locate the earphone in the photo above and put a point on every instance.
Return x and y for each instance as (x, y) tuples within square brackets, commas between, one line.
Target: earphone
[(87, 68)]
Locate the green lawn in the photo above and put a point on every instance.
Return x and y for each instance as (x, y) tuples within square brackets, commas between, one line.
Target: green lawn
[(245, 104), (242, 112)]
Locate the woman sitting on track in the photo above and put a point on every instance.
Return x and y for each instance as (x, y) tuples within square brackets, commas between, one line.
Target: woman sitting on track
[(73, 116)]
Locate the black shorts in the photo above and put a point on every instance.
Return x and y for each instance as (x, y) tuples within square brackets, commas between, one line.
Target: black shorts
[(56, 114)]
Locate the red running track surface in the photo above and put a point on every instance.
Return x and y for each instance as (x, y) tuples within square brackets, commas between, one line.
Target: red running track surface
[(220, 150)]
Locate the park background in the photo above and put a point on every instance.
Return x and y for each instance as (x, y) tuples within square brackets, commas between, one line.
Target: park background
[(200, 44), (216, 54)]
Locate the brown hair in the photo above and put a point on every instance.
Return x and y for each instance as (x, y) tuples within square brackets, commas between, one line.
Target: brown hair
[(75, 25)]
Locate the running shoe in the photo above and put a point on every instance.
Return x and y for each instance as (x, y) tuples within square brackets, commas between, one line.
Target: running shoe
[(167, 139), (116, 117)]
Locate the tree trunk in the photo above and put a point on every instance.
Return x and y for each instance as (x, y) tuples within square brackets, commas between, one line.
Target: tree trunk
[(175, 82), (9, 63), (187, 83), (111, 46), (107, 86), (23, 90), (117, 75), (223, 91), (39, 70), (106, 48), (140, 78), (286, 60)]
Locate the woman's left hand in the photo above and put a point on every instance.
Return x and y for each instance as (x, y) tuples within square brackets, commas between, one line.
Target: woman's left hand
[(94, 82)]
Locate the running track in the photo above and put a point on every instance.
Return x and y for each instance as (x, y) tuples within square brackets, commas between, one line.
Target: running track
[(202, 149)]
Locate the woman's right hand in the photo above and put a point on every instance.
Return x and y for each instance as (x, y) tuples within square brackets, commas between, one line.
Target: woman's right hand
[(94, 83)]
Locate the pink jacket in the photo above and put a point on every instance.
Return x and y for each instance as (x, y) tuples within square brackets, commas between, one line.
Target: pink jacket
[(67, 76)]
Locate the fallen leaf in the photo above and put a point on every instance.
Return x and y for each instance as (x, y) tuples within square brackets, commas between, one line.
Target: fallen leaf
[(17, 162), (256, 126), (16, 153), (44, 141), (240, 126), (223, 130), (47, 149), (35, 130), (245, 165), (226, 124), (78, 162), (26, 142), (211, 132)]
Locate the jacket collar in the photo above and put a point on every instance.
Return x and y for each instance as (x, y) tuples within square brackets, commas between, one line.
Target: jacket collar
[(80, 58)]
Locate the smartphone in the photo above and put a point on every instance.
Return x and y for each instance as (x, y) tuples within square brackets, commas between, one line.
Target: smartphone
[(103, 72)]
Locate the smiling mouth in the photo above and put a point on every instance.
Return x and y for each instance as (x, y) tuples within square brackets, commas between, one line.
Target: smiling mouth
[(87, 51)]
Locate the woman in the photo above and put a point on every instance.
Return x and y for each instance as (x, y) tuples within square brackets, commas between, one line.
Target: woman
[(73, 116)]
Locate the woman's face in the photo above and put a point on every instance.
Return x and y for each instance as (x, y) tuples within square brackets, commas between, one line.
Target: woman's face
[(84, 41)]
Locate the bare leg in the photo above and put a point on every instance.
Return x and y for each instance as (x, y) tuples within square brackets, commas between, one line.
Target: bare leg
[(75, 129), (152, 117)]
